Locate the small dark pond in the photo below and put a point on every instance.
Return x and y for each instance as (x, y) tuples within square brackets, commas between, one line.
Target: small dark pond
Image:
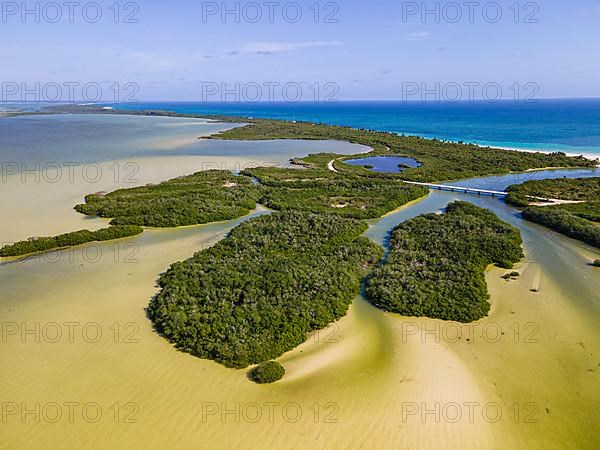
[(386, 164)]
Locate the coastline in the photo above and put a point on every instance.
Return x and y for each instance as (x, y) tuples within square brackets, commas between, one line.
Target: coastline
[(590, 156), (98, 109)]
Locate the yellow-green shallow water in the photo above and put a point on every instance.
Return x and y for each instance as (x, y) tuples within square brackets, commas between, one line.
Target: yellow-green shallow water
[(525, 377)]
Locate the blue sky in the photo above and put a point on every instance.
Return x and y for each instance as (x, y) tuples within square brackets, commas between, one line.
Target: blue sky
[(372, 52)]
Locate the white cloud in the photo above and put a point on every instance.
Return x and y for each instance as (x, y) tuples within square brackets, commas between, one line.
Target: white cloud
[(418, 36), (267, 48)]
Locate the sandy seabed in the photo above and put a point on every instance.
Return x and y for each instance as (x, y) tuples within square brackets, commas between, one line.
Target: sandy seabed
[(82, 366)]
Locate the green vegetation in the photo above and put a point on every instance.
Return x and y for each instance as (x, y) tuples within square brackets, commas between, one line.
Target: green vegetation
[(218, 195), (436, 264), (441, 160), (267, 372), (578, 189), (577, 220), (41, 244), (561, 220), (210, 196), (354, 192), (274, 279), (259, 292), (596, 263), (589, 210), (320, 191)]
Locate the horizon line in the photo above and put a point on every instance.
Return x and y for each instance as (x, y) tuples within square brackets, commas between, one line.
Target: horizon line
[(83, 102)]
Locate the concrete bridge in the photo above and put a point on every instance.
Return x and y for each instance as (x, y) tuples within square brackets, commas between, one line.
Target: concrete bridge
[(466, 190), (535, 201)]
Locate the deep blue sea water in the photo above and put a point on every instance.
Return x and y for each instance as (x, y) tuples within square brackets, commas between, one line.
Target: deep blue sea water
[(571, 125)]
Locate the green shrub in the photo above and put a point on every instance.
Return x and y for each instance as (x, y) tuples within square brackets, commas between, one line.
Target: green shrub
[(518, 200), (511, 275), (267, 372)]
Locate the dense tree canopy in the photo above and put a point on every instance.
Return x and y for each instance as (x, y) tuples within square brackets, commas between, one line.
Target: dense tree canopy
[(436, 264), (564, 221), (42, 244), (203, 197), (441, 160), (577, 220), (579, 189), (259, 292), (347, 195)]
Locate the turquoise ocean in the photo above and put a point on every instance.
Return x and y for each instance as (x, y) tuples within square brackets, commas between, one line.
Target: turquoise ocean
[(568, 125)]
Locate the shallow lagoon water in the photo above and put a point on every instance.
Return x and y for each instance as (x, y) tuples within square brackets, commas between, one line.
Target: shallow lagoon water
[(501, 182), (94, 138), (385, 164), (535, 354), (49, 163), (352, 385)]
